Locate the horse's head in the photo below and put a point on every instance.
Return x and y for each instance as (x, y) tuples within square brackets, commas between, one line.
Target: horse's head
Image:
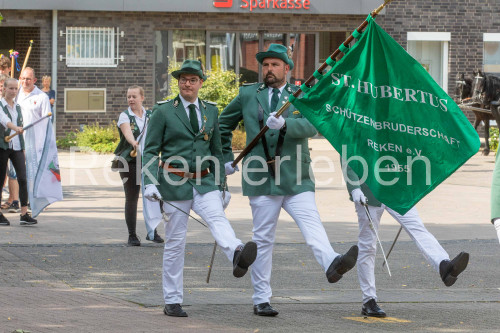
[(478, 87), (463, 87)]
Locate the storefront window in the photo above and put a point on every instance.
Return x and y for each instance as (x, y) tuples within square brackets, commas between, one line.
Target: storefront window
[(491, 57), (429, 55), (249, 67), (7, 42), (222, 47), (329, 42), (303, 57), (188, 44), (161, 65), (273, 38)]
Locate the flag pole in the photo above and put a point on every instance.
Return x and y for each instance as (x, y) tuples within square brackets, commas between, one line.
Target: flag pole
[(12, 59), (308, 83), (25, 62)]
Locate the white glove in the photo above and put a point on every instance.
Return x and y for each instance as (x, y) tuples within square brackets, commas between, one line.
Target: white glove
[(497, 227), (225, 198), (151, 193), (229, 169), (358, 196), (275, 123)]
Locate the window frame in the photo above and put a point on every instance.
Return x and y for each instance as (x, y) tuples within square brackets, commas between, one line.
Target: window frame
[(81, 42)]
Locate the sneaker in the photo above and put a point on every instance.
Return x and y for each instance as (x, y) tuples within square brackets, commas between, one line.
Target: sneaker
[(133, 240), (14, 207), (156, 238), (6, 205), (3, 220), (26, 219)]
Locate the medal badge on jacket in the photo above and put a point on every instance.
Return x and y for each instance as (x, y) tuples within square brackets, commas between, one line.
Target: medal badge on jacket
[(205, 134)]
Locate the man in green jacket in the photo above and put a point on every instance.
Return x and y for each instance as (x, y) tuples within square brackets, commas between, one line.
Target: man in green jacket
[(276, 173), (437, 257), (185, 131)]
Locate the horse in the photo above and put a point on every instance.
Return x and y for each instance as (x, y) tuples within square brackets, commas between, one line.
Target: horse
[(481, 93)]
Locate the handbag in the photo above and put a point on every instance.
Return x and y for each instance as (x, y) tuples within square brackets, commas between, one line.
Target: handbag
[(116, 163)]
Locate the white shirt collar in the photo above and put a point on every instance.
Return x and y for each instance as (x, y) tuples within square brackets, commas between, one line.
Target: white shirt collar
[(186, 103), (280, 88), (130, 112)]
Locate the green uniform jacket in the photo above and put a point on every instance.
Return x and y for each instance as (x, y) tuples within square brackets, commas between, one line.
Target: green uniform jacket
[(7, 131), (171, 135), (294, 176), (351, 177)]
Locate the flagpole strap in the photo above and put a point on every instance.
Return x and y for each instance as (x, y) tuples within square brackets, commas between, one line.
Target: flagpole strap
[(356, 34), (304, 88), (369, 18), (330, 62), (318, 75), (344, 49)]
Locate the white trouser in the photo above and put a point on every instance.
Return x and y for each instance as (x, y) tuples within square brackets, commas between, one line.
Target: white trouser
[(209, 207), (367, 243), (266, 210)]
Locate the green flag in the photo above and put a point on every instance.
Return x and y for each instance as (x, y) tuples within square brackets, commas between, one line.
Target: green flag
[(393, 124)]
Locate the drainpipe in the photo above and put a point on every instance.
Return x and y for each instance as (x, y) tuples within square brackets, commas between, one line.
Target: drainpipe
[(54, 60)]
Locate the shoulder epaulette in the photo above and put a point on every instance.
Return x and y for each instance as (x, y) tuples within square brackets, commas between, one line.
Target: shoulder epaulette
[(210, 102), (163, 102), (249, 84)]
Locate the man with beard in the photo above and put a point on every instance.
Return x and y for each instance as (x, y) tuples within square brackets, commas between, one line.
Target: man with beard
[(276, 173)]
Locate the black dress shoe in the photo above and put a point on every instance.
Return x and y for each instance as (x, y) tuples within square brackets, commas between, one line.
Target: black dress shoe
[(342, 264), (133, 240), (156, 238), (174, 310), (243, 258), (449, 270), (371, 309), (264, 309)]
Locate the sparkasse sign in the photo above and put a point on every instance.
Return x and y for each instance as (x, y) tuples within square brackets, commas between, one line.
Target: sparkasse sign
[(266, 4)]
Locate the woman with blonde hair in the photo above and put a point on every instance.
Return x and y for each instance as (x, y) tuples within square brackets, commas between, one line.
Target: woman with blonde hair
[(132, 126)]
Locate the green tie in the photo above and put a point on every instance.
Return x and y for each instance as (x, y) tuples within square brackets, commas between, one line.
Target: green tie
[(193, 118), (275, 99)]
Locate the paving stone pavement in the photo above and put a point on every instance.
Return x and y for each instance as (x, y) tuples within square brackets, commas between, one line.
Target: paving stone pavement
[(73, 273)]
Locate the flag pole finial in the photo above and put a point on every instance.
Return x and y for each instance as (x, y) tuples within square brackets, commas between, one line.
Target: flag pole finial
[(379, 9)]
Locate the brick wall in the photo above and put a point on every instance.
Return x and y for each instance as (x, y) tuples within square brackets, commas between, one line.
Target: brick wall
[(138, 46), (465, 20)]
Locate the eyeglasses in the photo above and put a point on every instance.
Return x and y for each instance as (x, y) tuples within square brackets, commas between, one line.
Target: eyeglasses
[(183, 80)]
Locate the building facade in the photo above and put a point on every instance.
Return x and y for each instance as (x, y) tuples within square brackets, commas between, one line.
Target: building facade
[(94, 55)]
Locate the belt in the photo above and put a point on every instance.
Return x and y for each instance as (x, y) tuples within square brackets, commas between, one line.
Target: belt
[(183, 174)]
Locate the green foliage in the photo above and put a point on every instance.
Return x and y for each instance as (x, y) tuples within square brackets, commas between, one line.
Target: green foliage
[(220, 87), (239, 139), (68, 141), (494, 138), (92, 138)]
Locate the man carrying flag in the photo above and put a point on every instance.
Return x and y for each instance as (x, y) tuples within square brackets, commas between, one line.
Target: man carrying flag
[(399, 135), (42, 164), (437, 257), (277, 175), (390, 121)]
